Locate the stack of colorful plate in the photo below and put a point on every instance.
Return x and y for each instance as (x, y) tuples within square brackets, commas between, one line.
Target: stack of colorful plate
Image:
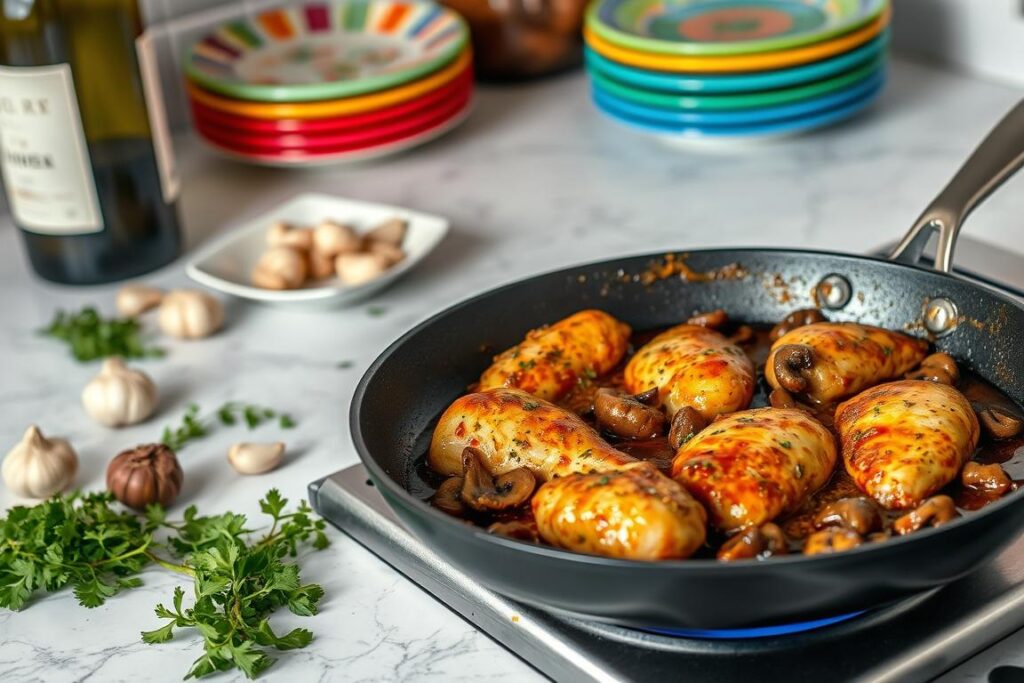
[(331, 81), (735, 68)]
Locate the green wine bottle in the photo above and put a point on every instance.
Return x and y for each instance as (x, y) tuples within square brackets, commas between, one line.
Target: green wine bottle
[(84, 149)]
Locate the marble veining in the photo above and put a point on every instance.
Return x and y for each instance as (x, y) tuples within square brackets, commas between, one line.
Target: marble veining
[(535, 180)]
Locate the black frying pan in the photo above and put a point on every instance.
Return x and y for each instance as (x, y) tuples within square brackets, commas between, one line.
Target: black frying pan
[(415, 379)]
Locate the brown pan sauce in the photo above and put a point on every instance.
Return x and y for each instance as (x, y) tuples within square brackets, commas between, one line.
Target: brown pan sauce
[(755, 341)]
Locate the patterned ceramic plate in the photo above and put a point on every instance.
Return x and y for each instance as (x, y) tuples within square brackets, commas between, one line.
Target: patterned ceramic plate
[(737, 83), (767, 98), (459, 87), (326, 50), (736, 63), (726, 27), (739, 117), (680, 132)]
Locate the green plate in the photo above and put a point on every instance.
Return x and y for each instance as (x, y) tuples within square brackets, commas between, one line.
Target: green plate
[(768, 98), (726, 27), (326, 50)]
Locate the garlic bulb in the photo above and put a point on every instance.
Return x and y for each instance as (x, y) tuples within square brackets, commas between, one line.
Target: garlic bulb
[(255, 458), (39, 467), (119, 396), (136, 298), (190, 314), (280, 268)]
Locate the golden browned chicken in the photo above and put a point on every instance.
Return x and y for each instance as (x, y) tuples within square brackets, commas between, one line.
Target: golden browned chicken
[(905, 440), (635, 513), (750, 467), (511, 429), (552, 359), (827, 362), (696, 367)]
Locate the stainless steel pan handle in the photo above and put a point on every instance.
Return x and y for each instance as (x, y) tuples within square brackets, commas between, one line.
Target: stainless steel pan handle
[(998, 157)]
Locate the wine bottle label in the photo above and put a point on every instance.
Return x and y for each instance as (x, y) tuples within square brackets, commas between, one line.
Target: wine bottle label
[(166, 163), (43, 156)]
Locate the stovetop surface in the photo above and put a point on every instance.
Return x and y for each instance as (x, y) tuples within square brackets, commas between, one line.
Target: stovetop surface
[(914, 640)]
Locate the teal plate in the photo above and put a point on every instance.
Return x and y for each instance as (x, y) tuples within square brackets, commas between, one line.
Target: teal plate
[(726, 27), (740, 116), (765, 80), (326, 50), (768, 98), (680, 132)]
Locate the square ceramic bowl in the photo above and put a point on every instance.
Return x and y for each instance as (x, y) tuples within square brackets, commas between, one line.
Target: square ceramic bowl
[(226, 263)]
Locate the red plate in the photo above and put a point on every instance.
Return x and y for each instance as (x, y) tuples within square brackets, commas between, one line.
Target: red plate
[(330, 142), (454, 89)]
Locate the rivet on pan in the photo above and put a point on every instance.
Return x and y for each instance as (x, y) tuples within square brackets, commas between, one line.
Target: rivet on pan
[(940, 316), (834, 292)]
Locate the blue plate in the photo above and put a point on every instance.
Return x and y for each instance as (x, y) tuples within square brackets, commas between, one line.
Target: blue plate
[(684, 83), (739, 117), (776, 128)]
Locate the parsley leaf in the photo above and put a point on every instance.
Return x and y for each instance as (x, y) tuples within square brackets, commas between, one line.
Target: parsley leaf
[(193, 426), (91, 336)]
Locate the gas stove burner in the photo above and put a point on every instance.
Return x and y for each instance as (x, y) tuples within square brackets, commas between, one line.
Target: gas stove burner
[(753, 632)]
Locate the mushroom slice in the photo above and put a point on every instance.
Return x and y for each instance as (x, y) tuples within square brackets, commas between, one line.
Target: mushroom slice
[(448, 499), (857, 514), (517, 529), (685, 425), (988, 478), (483, 492), (756, 542), (792, 361), (938, 367), (1000, 423), (798, 318), (934, 511), (626, 416), (833, 539), (714, 320)]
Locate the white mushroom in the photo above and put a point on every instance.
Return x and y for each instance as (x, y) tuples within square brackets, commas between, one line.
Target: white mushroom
[(280, 268), (255, 458), (135, 298), (357, 269), (190, 314)]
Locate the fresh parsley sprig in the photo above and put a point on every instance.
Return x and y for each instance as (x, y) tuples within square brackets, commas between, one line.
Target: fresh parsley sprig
[(238, 580), (193, 426), (90, 336)]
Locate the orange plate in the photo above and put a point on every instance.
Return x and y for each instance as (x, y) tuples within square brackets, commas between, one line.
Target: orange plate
[(347, 105), (763, 61)]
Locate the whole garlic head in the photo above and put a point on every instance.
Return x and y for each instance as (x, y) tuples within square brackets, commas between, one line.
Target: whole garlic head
[(119, 396), (39, 467), (255, 458), (136, 298), (190, 314)]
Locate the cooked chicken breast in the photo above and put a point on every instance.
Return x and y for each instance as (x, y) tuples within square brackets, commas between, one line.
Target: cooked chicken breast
[(696, 367), (635, 513), (827, 362), (903, 441), (513, 429), (552, 359), (752, 466)]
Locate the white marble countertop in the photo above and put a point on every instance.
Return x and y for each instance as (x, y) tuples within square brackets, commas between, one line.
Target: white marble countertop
[(535, 180)]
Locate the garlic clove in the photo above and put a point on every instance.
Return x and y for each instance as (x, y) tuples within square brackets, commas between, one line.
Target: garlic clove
[(357, 269), (280, 268), (135, 298), (391, 231), (38, 467), (255, 458), (390, 252), (320, 265), (119, 395), (331, 239), (190, 314), (282, 234)]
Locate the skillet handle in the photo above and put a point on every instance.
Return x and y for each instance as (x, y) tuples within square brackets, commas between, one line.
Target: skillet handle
[(998, 157)]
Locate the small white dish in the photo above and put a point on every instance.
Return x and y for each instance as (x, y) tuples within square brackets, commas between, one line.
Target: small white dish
[(227, 262)]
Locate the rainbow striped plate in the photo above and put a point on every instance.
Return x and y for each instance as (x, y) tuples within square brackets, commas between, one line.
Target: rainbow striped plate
[(326, 50)]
